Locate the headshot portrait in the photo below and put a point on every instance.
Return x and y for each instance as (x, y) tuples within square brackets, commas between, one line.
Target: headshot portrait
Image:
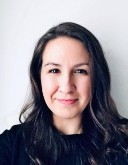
[(70, 115)]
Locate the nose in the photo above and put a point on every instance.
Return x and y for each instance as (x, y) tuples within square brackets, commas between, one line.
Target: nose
[(67, 84)]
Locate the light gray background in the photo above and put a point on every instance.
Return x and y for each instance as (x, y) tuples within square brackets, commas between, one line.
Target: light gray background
[(22, 22)]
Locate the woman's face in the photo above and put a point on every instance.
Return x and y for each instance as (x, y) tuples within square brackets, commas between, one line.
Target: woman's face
[(65, 77)]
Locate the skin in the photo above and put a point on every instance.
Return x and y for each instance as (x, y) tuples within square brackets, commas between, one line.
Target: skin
[(66, 82)]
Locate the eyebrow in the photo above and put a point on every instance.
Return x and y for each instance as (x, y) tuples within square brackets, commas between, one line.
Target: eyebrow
[(81, 64), (52, 63), (76, 65)]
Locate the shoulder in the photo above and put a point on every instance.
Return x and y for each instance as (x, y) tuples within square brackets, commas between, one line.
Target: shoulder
[(117, 150), (11, 134), (9, 140)]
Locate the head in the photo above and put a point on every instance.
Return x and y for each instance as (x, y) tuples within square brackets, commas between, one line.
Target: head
[(99, 72), (100, 108)]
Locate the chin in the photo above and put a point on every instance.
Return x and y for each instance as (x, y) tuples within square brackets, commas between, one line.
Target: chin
[(68, 116)]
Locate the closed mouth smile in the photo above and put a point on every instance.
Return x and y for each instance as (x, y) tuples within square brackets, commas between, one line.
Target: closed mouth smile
[(67, 101)]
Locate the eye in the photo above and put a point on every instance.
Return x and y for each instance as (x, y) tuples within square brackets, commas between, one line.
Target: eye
[(82, 71), (54, 71)]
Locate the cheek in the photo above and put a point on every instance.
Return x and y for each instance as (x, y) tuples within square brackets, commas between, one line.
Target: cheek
[(48, 86), (85, 87)]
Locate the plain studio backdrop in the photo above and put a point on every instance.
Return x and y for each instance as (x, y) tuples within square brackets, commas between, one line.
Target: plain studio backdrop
[(23, 22)]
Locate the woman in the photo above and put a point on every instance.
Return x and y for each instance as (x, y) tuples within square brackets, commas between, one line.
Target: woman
[(71, 117)]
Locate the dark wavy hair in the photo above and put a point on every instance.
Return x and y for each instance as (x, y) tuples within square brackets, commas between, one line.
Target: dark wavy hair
[(101, 121)]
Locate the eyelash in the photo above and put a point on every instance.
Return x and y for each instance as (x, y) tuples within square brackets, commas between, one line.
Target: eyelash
[(82, 71), (54, 71), (78, 71)]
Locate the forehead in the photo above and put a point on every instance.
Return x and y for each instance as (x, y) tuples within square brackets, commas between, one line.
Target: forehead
[(65, 48)]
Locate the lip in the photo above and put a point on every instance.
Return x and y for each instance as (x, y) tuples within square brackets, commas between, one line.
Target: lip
[(67, 101)]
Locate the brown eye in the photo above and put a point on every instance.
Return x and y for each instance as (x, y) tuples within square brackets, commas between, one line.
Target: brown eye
[(82, 71), (54, 71)]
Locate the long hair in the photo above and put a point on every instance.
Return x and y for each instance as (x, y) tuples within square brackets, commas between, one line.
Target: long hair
[(101, 120)]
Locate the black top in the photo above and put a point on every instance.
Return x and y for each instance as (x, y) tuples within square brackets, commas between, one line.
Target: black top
[(12, 149)]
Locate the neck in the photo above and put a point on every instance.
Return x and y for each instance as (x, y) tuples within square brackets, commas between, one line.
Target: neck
[(68, 126)]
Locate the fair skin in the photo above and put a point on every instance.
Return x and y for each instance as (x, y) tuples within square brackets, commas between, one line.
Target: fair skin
[(66, 82)]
